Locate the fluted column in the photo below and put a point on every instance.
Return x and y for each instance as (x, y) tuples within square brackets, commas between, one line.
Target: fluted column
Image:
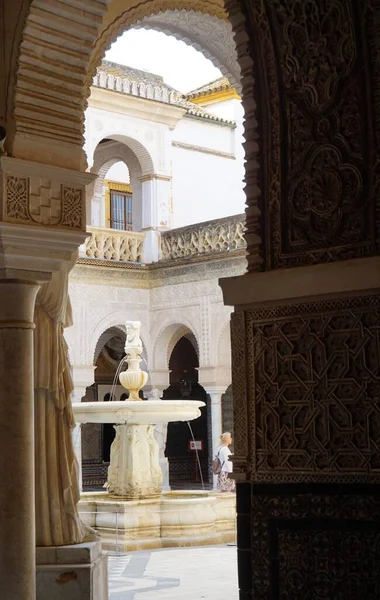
[(17, 512)]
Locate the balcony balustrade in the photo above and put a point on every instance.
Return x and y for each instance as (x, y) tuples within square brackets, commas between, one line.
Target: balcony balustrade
[(201, 239), (209, 237), (113, 245)]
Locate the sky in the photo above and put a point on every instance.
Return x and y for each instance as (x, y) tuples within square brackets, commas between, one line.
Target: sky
[(181, 66)]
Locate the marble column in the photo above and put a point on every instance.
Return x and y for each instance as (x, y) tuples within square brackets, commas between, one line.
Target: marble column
[(77, 441), (215, 394), (83, 376), (17, 511)]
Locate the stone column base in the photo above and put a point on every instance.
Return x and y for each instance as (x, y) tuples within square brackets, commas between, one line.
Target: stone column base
[(78, 572)]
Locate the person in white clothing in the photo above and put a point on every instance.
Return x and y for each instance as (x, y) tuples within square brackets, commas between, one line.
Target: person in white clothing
[(224, 483)]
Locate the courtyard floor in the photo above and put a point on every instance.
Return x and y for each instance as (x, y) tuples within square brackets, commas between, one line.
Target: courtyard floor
[(200, 573)]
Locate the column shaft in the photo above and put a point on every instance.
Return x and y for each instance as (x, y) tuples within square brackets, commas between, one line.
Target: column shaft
[(77, 441), (216, 422), (17, 512)]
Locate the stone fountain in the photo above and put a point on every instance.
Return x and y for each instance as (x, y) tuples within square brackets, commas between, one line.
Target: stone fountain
[(135, 513)]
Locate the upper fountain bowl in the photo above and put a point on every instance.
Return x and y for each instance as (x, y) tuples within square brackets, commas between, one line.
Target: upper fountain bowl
[(150, 412)]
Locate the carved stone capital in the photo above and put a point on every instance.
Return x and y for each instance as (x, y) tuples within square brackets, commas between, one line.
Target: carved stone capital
[(215, 378), (159, 380)]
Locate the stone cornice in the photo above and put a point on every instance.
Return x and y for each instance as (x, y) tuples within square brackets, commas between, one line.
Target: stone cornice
[(203, 150), (158, 274)]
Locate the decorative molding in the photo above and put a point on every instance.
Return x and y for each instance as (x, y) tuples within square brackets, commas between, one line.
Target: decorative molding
[(36, 194), (219, 235), (42, 202), (310, 539), (313, 385), (208, 34), (136, 15), (16, 206), (319, 190), (251, 57), (240, 367), (155, 176), (203, 150)]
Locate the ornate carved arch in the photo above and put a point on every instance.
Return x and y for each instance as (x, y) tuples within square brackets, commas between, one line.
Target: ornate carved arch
[(166, 339), (57, 61)]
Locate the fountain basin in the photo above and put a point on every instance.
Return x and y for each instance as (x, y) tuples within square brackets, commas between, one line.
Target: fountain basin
[(176, 519), (149, 412)]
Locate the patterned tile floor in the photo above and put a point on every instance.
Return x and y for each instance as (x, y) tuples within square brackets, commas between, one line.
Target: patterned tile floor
[(201, 573)]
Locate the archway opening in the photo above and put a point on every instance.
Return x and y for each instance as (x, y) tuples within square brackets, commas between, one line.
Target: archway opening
[(183, 463)]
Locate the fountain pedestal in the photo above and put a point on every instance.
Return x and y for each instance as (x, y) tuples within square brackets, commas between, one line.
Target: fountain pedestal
[(134, 470)]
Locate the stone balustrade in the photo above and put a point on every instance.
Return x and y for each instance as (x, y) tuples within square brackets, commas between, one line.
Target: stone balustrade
[(210, 237), (142, 90), (113, 244)]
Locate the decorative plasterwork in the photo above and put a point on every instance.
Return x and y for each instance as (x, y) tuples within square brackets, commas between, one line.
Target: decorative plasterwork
[(110, 244), (207, 33), (246, 48), (168, 330), (313, 389), (46, 119), (219, 235), (123, 19), (35, 195)]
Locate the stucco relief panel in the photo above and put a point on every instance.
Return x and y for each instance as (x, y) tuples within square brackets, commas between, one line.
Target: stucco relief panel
[(34, 200), (321, 185)]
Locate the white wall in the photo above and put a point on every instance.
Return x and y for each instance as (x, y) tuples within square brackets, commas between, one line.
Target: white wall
[(207, 171), (205, 185)]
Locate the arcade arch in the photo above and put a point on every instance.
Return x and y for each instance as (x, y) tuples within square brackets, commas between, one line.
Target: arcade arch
[(60, 131), (108, 153), (165, 340)]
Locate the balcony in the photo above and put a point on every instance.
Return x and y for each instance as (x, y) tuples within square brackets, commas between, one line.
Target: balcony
[(207, 238), (113, 245)]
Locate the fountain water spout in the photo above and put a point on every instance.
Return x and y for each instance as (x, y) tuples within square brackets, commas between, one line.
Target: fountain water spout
[(134, 378)]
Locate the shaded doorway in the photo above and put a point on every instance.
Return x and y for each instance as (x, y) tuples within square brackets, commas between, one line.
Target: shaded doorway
[(183, 465)]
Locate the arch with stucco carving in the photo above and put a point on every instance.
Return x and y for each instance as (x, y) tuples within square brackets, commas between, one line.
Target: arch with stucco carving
[(120, 19), (48, 129), (223, 346), (206, 33), (146, 162), (165, 340), (114, 320), (214, 35)]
